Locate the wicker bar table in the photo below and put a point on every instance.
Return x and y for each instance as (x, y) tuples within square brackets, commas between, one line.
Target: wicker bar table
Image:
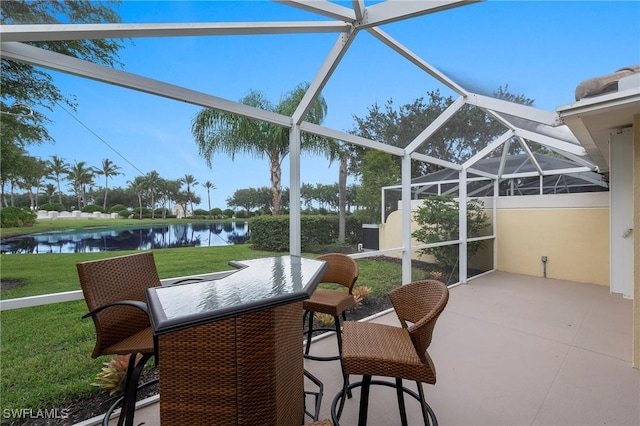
[(230, 348)]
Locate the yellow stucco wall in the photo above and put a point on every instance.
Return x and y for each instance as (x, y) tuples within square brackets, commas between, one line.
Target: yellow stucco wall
[(575, 241), (636, 242)]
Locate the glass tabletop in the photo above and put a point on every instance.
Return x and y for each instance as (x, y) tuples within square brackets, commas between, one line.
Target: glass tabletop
[(257, 284)]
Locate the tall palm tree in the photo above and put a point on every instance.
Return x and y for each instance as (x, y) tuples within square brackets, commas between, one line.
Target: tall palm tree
[(107, 170), (80, 176), (218, 131), (189, 180), (209, 187), (138, 185), (56, 169)]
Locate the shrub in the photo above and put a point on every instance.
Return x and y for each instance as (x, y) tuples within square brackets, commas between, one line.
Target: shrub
[(228, 213), (113, 374), (158, 212), (438, 218), (200, 212), (52, 207), (92, 208), (271, 233), (125, 213), (242, 214), (16, 217), (117, 208)]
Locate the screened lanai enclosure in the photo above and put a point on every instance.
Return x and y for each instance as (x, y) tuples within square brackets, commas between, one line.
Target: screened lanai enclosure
[(509, 163)]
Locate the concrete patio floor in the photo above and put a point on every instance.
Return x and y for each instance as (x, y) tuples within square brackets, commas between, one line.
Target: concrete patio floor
[(511, 350)]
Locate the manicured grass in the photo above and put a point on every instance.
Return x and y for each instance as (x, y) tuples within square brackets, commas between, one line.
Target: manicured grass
[(45, 350)]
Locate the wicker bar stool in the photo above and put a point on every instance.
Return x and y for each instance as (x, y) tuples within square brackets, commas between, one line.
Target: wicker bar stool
[(114, 290), (342, 270), (371, 349)]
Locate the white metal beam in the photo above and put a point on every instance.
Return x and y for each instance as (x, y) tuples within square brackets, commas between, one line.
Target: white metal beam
[(324, 73), (580, 160), (322, 7), (44, 58), (391, 11), (481, 173), (488, 149), (316, 129), (545, 173), (358, 9), (527, 150), (503, 158), (103, 31), (512, 108), (436, 161), (435, 125), (416, 60), (551, 142)]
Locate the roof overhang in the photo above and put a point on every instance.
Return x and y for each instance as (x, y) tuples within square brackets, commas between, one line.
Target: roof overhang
[(592, 120)]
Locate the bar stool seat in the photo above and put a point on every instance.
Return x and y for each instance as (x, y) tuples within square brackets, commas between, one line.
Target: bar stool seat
[(372, 349), (341, 270)]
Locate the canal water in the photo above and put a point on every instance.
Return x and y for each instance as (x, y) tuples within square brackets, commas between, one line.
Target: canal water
[(130, 238)]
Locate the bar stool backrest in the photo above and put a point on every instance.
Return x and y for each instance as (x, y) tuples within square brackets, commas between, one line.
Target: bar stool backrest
[(341, 269), (112, 280), (418, 306)]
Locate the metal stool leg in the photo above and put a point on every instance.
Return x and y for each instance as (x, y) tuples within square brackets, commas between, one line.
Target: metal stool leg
[(309, 331)]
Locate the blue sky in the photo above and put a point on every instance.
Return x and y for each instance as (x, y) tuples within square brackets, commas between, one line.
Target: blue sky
[(540, 49)]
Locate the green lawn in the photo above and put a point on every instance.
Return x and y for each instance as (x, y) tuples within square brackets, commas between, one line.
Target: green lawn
[(45, 350)]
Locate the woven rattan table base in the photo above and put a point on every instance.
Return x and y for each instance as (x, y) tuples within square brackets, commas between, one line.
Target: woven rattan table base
[(246, 370)]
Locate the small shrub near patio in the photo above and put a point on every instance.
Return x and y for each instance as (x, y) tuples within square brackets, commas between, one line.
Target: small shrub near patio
[(16, 217), (113, 374), (438, 217)]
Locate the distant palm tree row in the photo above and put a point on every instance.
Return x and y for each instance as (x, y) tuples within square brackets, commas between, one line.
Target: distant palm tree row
[(151, 190)]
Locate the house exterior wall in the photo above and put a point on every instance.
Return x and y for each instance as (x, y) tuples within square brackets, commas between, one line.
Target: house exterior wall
[(574, 237), (636, 242), (572, 230)]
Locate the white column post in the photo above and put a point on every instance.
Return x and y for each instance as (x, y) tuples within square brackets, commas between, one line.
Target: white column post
[(294, 191), (462, 257), (406, 219)]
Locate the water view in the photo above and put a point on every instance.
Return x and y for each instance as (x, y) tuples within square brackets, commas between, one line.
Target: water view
[(130, 238)]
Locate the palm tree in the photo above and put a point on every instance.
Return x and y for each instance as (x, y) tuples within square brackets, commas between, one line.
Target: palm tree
[(209, 187), (218, 131), (108, 170), (189, 180), (80, 176), (336, 150), (138, 185), (56, 168), (152, 182)]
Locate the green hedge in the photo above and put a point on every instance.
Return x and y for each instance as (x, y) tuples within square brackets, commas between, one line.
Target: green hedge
[(117, 208), (16, 217), (271, 233), (92, 208), (52, 207)]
